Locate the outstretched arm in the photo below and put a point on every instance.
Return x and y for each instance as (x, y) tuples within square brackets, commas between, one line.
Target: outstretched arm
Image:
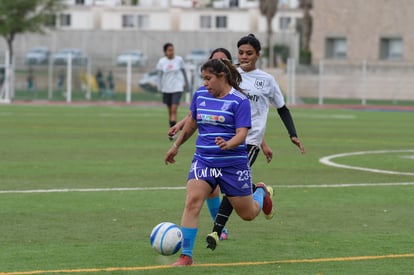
[(287, 119)]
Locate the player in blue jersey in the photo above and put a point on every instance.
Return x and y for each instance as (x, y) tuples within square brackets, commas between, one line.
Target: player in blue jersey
[(213, 201), (221, 114)]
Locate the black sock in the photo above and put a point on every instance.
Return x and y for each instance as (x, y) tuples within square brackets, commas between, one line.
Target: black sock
[(223, 215), (172, 123)]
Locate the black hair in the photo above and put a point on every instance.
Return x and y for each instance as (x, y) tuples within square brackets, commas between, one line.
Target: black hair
[(166, 45), (250, 40), (221, 50), (218, 66)]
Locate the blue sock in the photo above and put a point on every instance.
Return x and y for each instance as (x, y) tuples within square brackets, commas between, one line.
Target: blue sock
[(189, 235), (258, 196), (213, 206)]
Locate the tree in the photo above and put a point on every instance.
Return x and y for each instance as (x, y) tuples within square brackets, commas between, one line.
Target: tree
[(21, 16), (305, 31), (268, 8), (306, 6)]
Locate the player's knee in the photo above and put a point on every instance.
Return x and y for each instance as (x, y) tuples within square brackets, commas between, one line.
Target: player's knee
[(247, 216), (194, 203)]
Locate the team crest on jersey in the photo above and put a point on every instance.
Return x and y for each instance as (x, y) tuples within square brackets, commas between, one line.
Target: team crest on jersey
[(259, 83), (225, 106)]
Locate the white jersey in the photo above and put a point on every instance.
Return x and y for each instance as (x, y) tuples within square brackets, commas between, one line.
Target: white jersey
[(172, 77), (261, 89)]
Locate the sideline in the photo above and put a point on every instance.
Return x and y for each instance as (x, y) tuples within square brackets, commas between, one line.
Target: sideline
[(141, 268), (66, 190)]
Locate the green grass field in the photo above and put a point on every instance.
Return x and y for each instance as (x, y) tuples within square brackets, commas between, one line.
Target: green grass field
[(70, 160)]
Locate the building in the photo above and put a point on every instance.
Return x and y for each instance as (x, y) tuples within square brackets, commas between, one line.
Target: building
[(378, 32), (104, 28)]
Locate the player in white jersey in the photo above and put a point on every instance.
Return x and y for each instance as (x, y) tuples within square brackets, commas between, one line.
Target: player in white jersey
[(262, 90), (172, 81)]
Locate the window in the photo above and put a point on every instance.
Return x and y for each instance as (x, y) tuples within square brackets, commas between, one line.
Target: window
[(336, 48), (51, 20), (234, 3), (221, 22), (80, 2), (128, 21), (284, 23), (65, 20), (143, 21), (205, 22), (391, 48)]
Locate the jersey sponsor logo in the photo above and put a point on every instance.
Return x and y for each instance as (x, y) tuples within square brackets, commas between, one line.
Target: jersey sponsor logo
[(253, 97), (206, 172), (210, 118), (259, 83)]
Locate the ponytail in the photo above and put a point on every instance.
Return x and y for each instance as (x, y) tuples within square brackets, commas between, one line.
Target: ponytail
[(217, 66)]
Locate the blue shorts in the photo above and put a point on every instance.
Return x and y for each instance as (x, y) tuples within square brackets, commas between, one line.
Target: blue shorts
[(234, 181)]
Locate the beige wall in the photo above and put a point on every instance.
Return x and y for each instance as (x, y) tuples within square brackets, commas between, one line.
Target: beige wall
[(363, 23)]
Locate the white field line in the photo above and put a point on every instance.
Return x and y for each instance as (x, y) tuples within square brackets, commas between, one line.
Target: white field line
[(66, 190), (328, 161)]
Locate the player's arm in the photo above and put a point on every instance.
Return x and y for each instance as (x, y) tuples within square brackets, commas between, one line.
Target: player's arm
[(179, 125), (160, 75), (186, 82), (189, 129), (287, 119), (267, 151), (236, 140)]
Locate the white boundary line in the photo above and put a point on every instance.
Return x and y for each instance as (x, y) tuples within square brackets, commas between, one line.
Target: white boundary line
[(327, 161), (67, 190)]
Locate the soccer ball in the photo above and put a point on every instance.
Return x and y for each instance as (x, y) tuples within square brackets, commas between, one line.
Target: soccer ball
[(166, 238)]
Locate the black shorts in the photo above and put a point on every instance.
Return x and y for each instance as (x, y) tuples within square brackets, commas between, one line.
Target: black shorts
[(252, 152), (171, 98)]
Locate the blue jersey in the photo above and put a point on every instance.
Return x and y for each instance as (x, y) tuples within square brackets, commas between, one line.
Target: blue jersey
[(220, 117)]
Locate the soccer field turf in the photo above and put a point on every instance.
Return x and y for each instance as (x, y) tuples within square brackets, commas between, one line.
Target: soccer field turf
[(81, 188)]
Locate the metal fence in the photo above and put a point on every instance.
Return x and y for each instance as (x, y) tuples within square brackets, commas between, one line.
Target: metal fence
[(359, 84), (321, 84)]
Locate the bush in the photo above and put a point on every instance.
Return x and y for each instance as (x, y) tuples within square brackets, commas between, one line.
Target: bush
[(305, 57)]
